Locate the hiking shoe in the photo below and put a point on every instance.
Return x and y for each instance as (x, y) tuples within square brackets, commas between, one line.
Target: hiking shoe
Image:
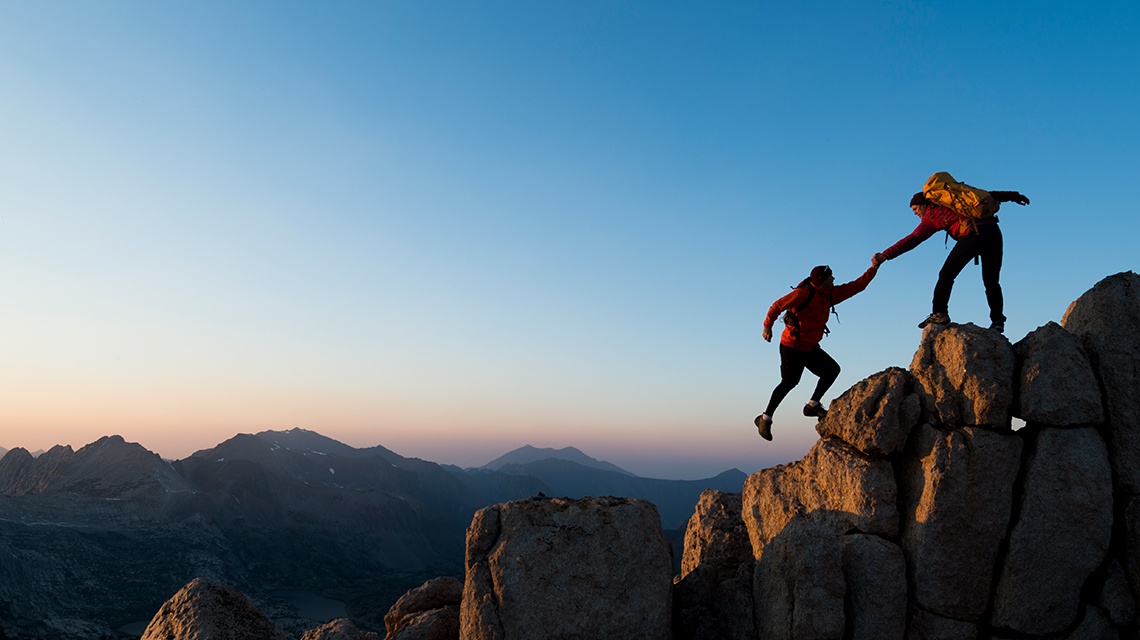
[(998, 325), (764, 426), (938, 317), (814, 409)]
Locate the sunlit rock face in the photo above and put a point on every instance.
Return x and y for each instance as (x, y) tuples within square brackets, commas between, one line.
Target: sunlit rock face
[(339, 629), (967, 373), (205, 610), (715, 535), (877, 414), (431, 610)]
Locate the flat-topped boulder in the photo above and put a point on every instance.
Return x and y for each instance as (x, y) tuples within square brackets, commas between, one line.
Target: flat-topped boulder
[(967, 373), (562, 568)]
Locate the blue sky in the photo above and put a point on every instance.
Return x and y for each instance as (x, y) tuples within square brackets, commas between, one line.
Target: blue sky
[(456, 228)]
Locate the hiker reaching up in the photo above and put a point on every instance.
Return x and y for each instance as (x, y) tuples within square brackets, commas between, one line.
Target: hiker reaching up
[(806, 311), (977, 236)]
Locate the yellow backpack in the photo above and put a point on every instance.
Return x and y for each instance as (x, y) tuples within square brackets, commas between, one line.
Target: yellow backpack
[(970, 203)]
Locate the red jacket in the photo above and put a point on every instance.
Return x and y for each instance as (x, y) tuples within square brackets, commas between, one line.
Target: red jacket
[(813, 317), (934, 220)]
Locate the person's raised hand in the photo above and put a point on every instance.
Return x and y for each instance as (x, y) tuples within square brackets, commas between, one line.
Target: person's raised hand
[(878, 259), (1020, 199)]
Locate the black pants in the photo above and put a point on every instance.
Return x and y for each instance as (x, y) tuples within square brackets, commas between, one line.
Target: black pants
[(986, 244), (792, 365)]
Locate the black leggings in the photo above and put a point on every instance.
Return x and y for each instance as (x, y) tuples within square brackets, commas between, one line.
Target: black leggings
[(986, 244), (792, 365)]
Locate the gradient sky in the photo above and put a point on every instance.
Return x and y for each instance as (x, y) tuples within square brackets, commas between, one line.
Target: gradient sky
[(454, 228)]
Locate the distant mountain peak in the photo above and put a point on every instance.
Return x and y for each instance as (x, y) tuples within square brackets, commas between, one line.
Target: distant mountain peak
[(527, 454), (299, 439)]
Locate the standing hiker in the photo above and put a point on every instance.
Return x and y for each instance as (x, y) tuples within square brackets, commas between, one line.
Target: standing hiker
[(977, 236), (806, 312)]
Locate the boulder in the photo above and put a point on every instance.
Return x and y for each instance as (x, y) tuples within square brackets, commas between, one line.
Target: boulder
[(876, 415), (436, 624), (1132, 539), (799, 587), (875, 574), (1055, 382), (1115, 597), (206, 610), (1095, 626), (710, 606), (561, 568), (925, 625), (438, 594), (956, 492), (967, 373), (1061, 535), (339, 629), (1105, 319), (833, 485), (716, 535)]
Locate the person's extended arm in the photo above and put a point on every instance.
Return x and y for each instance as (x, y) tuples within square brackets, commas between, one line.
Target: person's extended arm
[(1010, 196), (924, 230), (841, 292)]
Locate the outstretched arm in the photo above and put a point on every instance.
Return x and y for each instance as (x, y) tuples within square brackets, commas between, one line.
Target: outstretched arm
[(841, 292), (924, 230), (1010, 196)]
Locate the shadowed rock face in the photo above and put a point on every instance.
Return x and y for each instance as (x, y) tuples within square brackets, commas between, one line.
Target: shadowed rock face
[(594, 567), (1061, 535), (874, 570), (799, 586), (713, 595), (1056, 383), (1106, 318), (204, 610), (956, 493)]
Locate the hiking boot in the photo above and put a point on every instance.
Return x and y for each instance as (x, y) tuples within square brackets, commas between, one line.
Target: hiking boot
[(764, 426), (814, 409), (938, 317), (998, 325)]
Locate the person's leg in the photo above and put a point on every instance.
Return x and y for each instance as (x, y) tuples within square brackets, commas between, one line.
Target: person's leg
[(791, 370), (824, 366), (964, 250), (991, 252)]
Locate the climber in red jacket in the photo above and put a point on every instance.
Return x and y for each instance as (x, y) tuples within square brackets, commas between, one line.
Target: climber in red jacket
[(806, 311)]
